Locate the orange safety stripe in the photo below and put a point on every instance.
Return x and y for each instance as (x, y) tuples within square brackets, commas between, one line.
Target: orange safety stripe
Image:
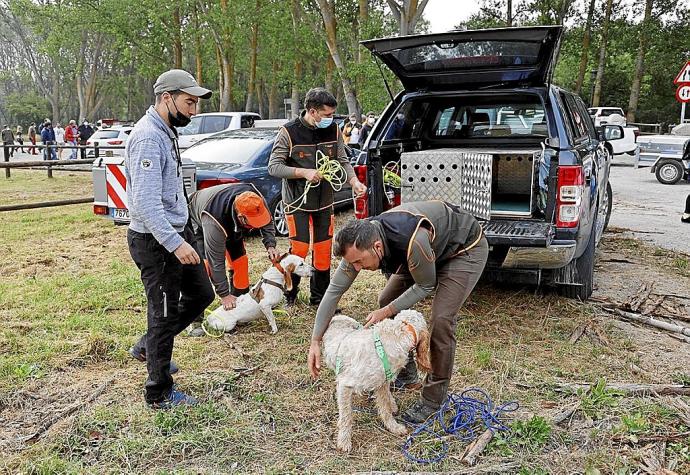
[(322, 255), (292, 227), (299, 248), (228, 261), (240, 276)]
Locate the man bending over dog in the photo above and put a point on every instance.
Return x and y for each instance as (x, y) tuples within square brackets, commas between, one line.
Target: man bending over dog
[(425, 246), (223, 214)]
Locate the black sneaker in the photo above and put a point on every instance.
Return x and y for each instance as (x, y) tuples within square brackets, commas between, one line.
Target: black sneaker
[(685, 218), (140, 355), (173, 399), (418, 412)]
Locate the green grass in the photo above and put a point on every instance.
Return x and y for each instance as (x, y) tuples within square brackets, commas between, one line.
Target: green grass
[(71, 303)]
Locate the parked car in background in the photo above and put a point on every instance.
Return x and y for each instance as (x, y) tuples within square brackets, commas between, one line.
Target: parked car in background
[(109, 137), (205, 125), (625, 151), (600, 115), (480, 125), (242, 156)]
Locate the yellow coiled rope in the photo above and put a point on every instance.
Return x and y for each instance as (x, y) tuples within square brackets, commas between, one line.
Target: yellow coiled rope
[(331, 171)]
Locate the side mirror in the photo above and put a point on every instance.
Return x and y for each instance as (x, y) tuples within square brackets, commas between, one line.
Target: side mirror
[(610, 132)]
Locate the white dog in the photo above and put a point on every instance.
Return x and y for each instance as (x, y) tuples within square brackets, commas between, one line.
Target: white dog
[(262, 298), (352, 350)]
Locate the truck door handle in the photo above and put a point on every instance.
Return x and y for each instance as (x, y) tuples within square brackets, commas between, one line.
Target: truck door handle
[(588, 174)]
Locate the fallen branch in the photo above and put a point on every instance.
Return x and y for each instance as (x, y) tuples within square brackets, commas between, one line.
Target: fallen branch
[(50, 421), (636, 317), (640, 296), (631, 389), (577, 334), (469, 456), (565, 414), (645, 439)]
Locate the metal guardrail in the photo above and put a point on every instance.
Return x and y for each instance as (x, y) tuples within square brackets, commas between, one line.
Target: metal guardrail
[(45, 152), (647, 129)]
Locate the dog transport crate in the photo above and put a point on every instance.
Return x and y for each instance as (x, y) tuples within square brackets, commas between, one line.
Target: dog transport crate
[(484, 182)]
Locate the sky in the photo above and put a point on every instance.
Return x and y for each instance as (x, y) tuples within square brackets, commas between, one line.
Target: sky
[(444, 15)]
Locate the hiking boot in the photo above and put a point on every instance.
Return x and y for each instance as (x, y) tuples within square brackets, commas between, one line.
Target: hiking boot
[(418, 412), (685, 218), (140, 355), (173, 399)]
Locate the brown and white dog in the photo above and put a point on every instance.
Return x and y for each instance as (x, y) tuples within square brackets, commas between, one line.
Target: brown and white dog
[(262, 298), (352, 349)]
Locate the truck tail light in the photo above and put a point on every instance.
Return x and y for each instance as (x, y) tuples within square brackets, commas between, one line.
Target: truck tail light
[(100, 210), (216, 181), (361, 204), (114, 142), (569, 196)]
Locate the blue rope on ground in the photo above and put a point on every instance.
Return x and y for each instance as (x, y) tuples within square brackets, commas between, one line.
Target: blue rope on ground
[(465, 416)]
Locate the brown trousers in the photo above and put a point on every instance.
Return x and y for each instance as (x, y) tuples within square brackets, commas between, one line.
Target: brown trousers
[(455, 280)]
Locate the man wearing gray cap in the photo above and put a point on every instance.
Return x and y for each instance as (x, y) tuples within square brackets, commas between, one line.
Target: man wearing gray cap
[(177, 286)]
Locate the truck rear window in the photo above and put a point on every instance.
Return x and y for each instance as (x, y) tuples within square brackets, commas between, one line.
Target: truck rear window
[(467, 55), (464, 118)]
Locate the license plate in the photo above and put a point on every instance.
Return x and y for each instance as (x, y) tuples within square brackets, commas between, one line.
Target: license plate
[(119, 213)]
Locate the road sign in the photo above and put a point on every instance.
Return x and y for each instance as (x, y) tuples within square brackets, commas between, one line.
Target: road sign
[(683, 93), (683, 76)]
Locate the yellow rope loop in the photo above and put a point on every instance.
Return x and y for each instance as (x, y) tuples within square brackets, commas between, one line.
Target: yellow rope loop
[(330, 170)]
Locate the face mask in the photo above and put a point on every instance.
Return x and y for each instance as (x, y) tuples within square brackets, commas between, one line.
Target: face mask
[(325, 122), (353, 121), (371, 121), (179, 119), (400, 116)]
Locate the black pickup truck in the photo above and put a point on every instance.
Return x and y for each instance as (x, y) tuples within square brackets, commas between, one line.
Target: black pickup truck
[(479, 124)]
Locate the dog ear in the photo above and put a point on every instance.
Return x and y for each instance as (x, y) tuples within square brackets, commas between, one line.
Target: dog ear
[(423, 353), (288, 276)]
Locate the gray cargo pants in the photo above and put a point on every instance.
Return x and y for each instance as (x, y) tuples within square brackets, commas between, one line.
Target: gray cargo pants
[(455, 280)]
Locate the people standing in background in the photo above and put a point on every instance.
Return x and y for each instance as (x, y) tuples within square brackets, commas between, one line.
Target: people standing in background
[(85, 133), (32, 138), (366, 128), (7, 142), (20, 139), (59, 139), (48, 139), (686, 216), (349, 126), (71, 138)]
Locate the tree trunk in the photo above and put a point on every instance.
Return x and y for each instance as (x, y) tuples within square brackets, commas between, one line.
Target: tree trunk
[(362, 21), (294, 99), (596, 99), (330, 69), (509, 13), (584, 56), (328, 15), (253, 46), (639, 63), (407, 14), (260, 97), (273, 105), (177, 37)]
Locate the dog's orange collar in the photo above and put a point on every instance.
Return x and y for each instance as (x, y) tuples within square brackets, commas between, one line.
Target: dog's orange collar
[(412, 331), (277, 265)]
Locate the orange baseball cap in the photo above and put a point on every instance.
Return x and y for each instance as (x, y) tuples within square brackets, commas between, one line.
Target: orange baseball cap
[(252, 206)]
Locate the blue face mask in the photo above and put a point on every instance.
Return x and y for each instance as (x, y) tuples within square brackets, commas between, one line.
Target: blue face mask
[(325, 122)]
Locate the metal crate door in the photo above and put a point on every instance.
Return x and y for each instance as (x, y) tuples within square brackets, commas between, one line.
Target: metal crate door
[(476, 184), (431, 175)]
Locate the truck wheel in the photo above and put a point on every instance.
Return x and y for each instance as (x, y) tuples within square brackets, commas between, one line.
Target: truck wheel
[(278, 213), (604, 213), (584, 275), (669, 172)]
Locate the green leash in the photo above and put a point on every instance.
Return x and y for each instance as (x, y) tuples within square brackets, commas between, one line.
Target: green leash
[(380, 350)]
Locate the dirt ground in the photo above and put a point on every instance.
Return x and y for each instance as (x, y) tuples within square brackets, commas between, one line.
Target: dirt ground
[(71, 398)]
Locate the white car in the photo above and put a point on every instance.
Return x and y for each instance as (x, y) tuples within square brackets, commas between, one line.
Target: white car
[(205, 125), (600, 114), (109, 137)]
